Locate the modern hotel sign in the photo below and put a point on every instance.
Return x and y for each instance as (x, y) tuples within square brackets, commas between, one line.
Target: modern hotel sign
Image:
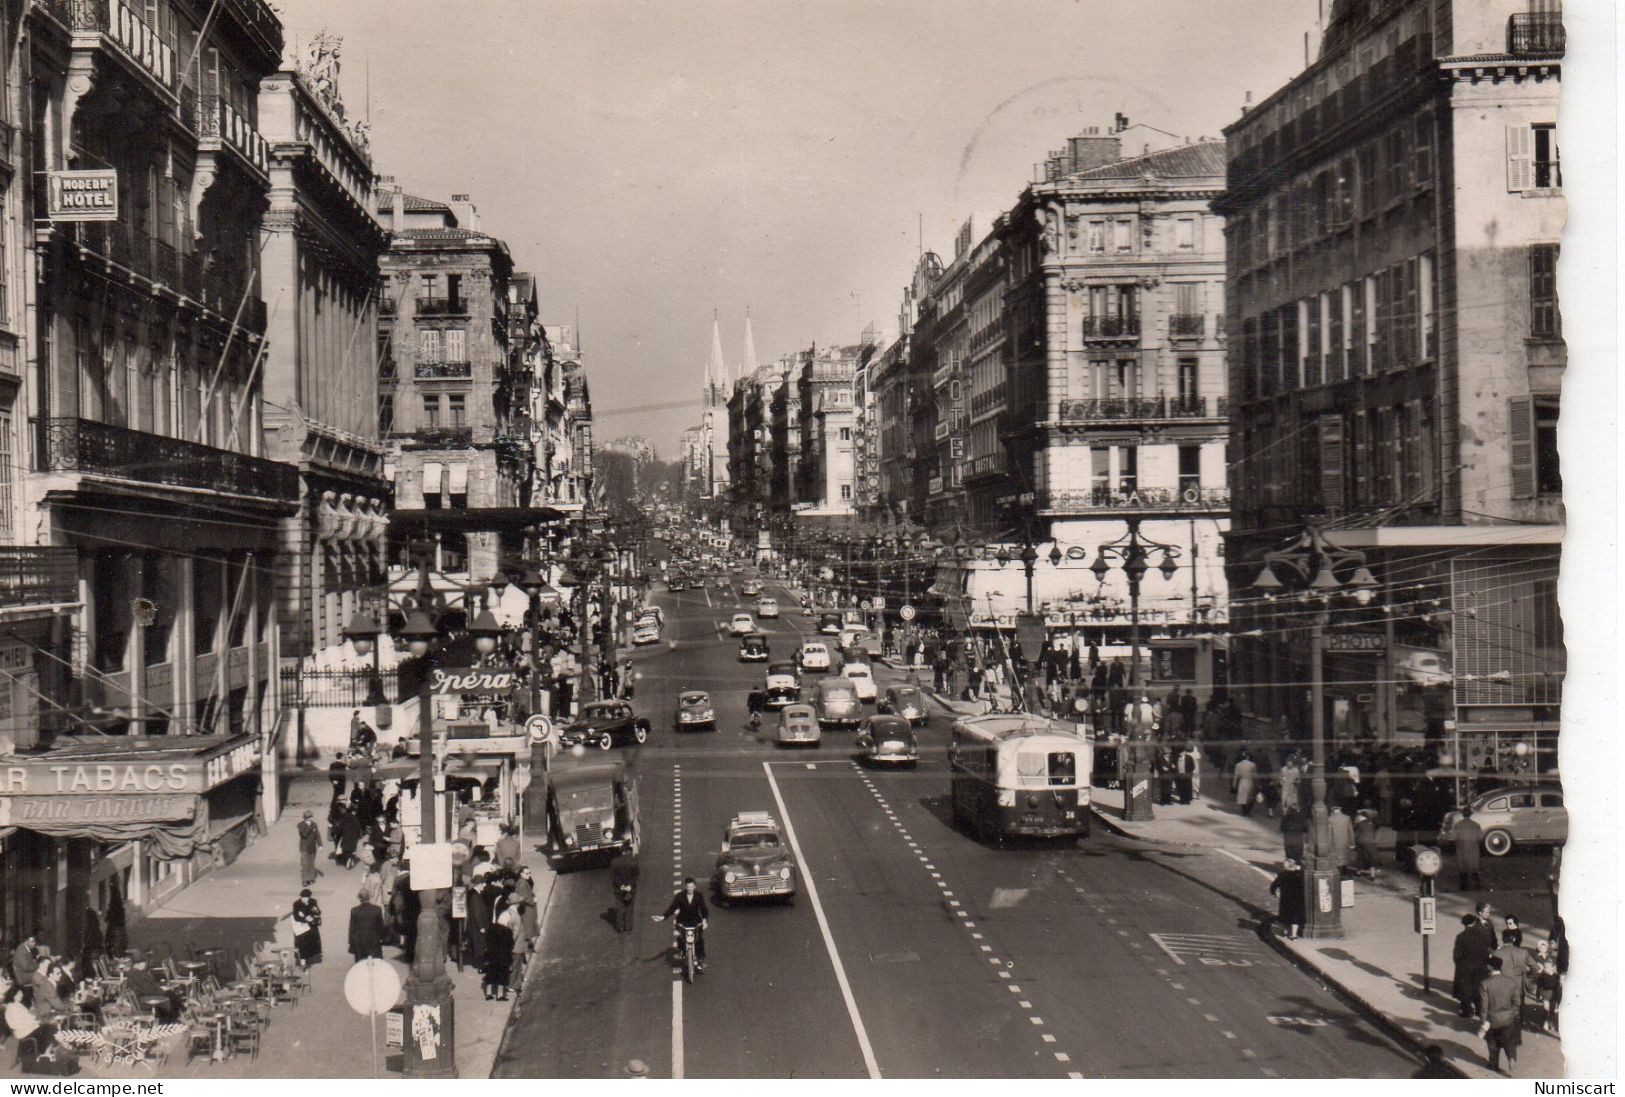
[(81, 195)]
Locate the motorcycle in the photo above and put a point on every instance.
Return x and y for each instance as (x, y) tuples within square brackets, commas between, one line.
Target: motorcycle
[(687, 936)]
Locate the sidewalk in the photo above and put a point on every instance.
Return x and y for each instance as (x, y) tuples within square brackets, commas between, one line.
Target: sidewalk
[(319, 1035), (1378, 963)]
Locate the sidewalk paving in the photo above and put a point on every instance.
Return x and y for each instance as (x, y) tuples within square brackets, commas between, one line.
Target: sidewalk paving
[(1378, 962), (319, 1035)]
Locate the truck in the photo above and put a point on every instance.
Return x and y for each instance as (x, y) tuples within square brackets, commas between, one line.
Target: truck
[(592, 814)]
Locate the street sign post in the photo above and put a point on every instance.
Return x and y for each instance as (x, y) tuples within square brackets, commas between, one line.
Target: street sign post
[(906, 613)]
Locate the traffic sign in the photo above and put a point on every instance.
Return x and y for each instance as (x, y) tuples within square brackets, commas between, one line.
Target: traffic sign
[(371, 987), (866, 605), (539, 728), (879, 602), (906, 613)]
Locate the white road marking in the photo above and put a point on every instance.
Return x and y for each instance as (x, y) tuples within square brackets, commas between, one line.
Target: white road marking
[(1013, 989), (1268, 1072), (1227, 1035), (1004, 975), (1036, 1020), (1024, 1004), (1265, 873), (823, 927), (1073, 1074), (1047, 1038), (1062, 1057), (676, 1027), (1209, 1017)]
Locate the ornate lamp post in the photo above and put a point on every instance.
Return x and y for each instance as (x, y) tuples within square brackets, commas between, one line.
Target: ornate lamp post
[(1132, 553), (1314, 563), (533, 584), (363, 632)]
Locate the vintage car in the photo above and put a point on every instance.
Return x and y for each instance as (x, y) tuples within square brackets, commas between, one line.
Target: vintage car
[(837, 703), (605, 724), (646, 632), (694, 711), (755, 862), (782, 686), (806, 609), (742, 624), (592, 813), (907, 702), (677, 584), (829, 624), (798, 725), (750, 588), (1522, 815), (753, 648), (814, 655), (862, 680), (652, 613), (888, 740), (767, 609)]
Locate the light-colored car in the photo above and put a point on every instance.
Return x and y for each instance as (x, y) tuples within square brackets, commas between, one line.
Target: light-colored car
[(647, 632), (767, 609), (862, 680), (798, 725), (888, 740), (742, 624), (1527, 815), (814, 655)]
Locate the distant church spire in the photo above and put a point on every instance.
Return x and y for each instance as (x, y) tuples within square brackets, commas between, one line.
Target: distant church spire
[(716, 374), (747, 368)]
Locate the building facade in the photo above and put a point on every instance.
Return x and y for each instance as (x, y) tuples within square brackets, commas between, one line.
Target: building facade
[(1394, 215)]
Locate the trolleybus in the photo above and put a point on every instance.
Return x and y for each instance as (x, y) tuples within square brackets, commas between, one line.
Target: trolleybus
[(1020, 774)]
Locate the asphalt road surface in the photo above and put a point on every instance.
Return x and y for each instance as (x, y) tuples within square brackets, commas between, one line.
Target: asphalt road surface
[(924, 953)]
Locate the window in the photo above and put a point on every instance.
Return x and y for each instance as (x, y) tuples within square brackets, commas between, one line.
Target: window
[(1370, 175), (1422, 150), (1343, 194), (456, 410), (7, 479), (1427, 331), (454, 287), (1185, 234), (5, 305), (1544, 319), (1125, 381), (1096, 240), (1123, 234), (1290, 350), (1322, 198), (1188, 299), (1128, 470), (1548, 161), (846, 434), (1399, 163), (431, 282), (1188, 388), (456, 345), (1100, 471), (1533, 159), (1309, 335), (846, 491), (1548, 471), (429, 345), (431, 412), (386, 413), (1532, 448), (1190, 469)]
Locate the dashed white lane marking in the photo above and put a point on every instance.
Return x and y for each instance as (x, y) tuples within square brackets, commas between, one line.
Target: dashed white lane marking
[(1062, 1057), (1024, 1004), (1268, 1072), (1227, 1035), (1209, 1017), (1047, 1038), (677, 881), (808, 877)]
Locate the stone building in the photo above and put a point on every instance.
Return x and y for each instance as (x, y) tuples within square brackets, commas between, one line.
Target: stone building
[(1394, 216)]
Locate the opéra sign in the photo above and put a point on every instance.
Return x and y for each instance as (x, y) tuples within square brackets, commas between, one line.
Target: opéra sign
[(472, 679)]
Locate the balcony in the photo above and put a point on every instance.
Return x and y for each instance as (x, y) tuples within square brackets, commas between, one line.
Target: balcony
[(387, 305), (444, 371), (33, 576), (1183, 326), (438, 437), (127, 30), (86, 446), (218, 120), (1094, 500), (1148, 407), (1536, 32), (441, 306), (1111, 327), (988, 464)]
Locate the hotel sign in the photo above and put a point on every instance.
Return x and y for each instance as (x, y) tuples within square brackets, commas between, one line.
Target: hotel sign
[(81, 195)]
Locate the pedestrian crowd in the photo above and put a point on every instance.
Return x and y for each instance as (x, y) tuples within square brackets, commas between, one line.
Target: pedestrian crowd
[(1502, 984)]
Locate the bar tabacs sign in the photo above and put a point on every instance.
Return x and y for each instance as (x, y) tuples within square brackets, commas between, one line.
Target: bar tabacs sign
[(81, 195)]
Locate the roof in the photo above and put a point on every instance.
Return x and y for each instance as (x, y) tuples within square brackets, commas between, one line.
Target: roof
[(442, 234), (1186, 161), (411, 203)]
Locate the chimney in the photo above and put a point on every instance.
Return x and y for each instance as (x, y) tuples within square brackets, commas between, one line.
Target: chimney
[(1091, 150), (462, 208)]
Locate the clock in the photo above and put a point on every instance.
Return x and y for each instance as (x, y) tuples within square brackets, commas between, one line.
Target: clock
[(1427, 861)]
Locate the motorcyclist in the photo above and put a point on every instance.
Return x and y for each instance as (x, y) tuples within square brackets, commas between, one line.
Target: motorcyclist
[(688, 907), (624, 880), (755, 702)]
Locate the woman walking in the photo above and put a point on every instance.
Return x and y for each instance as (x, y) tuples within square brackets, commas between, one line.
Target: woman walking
[(307, 929), (1288, 888)]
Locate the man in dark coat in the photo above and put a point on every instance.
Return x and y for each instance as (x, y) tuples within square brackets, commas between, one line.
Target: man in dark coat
[(1500, 1002), (624, 880), (366, 929), (310, 843), (1471, 955), (349, 828), (1468, 837), (338, 773)]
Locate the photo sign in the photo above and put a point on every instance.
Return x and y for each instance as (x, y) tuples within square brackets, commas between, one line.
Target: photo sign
[(81, 195)]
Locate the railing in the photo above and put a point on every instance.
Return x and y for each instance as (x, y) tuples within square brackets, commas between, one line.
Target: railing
[(338, 688), (1144, 499), (84, 445), (1536, 32), (442, 437), (987, 463), (449, 371), (1110, 327), (166, 264), (1148, 407), (387, 305), (33, 576), (386, 368), (442, 306), (218, 118), (1182, 324)]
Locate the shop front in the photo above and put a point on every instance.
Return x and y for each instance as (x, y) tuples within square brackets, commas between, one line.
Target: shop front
[(112, 825)]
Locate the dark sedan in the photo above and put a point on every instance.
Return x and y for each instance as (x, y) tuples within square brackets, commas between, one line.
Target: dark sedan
[(605, 724)]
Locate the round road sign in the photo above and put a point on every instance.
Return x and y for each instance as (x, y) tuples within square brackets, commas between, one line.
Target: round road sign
[(906, 613), (539, 728), (865, 606), (372, 987)]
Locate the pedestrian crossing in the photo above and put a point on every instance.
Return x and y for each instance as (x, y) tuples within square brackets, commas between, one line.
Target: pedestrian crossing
[(1211, 949)]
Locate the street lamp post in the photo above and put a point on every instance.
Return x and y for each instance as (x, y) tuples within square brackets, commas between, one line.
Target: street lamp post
[(534, 583), (1132, 554), (1313, 561)]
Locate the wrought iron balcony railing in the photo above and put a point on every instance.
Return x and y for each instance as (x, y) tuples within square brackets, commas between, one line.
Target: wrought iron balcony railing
[(444, 371), (33, 575), (1110, 327), (1084, 500), (1181, 325), (442, 306), (84, 445), (217, 118), (1147, 407), (1536, 32), (439, 437)]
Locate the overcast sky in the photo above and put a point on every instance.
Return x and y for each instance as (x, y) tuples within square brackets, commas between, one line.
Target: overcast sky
[(653, 160)]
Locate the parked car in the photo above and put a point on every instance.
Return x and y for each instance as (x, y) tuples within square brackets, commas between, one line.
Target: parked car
[(605, 724), (888, 740), (837, 703), (767, 609), (646, 632), (798, 724), (754, 863), (742, 624), (592, 813), (655, 613), (814, 655), (694, 711), (907, 702), (783, 685), (753, 648), (1526, 815), (861, 678)]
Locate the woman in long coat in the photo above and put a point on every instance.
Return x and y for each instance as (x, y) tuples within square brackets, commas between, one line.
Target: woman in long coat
[(498, 962), (1294, 826), (525, 892), (1245, 782), (512, 916), (1288, 888), (307, 928)]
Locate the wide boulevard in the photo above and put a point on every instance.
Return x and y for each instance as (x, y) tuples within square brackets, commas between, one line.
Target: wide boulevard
[(913, 949)]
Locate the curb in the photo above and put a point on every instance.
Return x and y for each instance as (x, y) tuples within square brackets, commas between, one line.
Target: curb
[(532, 967), (1395, 1032)]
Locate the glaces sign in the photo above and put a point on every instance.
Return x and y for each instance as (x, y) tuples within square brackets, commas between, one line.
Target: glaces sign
[(81, 195), (472, 679)]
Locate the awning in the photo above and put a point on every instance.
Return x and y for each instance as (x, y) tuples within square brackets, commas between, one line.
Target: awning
[(433, 472), (459, 478)]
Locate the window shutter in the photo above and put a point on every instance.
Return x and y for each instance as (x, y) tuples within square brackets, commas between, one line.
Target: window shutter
[(1415, 446), (1520, 158), (1521, 437), (1362, 460), (1331, 462)]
